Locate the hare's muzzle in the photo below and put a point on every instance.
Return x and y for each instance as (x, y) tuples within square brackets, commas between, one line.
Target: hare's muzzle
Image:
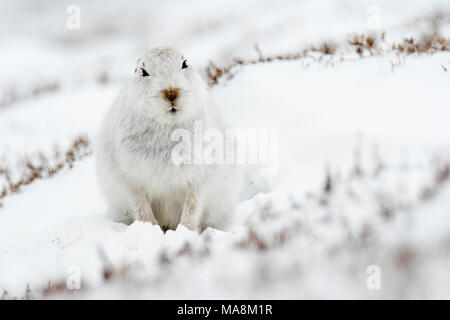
[(171, 94)]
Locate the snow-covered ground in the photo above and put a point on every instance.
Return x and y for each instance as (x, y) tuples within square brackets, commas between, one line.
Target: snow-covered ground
[(364, 153)]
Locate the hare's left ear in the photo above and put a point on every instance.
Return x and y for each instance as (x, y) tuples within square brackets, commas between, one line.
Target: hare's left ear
[(138, 65)]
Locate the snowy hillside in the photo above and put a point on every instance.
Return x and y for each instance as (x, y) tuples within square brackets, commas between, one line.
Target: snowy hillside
[(364, 154)]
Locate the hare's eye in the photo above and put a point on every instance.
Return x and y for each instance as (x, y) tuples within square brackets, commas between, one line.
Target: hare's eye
[(144, 73), (184, 66)]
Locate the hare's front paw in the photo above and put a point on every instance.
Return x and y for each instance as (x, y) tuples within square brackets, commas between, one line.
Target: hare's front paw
[(189, 225), (146, 217), (144, 210), (188, 216)]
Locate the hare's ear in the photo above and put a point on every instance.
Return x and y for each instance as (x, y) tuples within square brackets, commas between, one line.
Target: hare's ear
[(138, 65)]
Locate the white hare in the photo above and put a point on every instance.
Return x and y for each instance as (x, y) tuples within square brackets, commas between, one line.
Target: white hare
[(135, 168)]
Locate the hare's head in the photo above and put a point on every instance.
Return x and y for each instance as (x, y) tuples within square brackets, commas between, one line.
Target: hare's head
[(167, 87)]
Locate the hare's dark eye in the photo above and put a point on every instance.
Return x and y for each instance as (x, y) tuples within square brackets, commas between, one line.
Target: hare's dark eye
[(184, 66), (144, 73)]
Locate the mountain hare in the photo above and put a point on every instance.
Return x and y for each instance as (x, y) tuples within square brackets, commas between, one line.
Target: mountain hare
[(135, 165)]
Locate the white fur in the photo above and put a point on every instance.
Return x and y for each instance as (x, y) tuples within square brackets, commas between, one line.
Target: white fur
[(134, 148)]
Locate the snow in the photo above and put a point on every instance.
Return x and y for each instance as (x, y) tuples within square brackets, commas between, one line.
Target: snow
[(334, 115)]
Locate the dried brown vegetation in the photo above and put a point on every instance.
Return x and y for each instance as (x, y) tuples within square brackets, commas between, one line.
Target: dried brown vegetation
[(255, 241), (440, 178), (214, 73), (34, 167), (326, 48), (11, 95), (427, 44), (26, 296), (55, 288), (361, 44)]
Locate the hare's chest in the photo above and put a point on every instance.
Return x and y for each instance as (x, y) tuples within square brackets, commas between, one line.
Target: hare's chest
[(152, 158), (159, 172)]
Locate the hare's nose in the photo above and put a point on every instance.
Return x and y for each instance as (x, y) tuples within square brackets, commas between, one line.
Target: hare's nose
[(171, 94)]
